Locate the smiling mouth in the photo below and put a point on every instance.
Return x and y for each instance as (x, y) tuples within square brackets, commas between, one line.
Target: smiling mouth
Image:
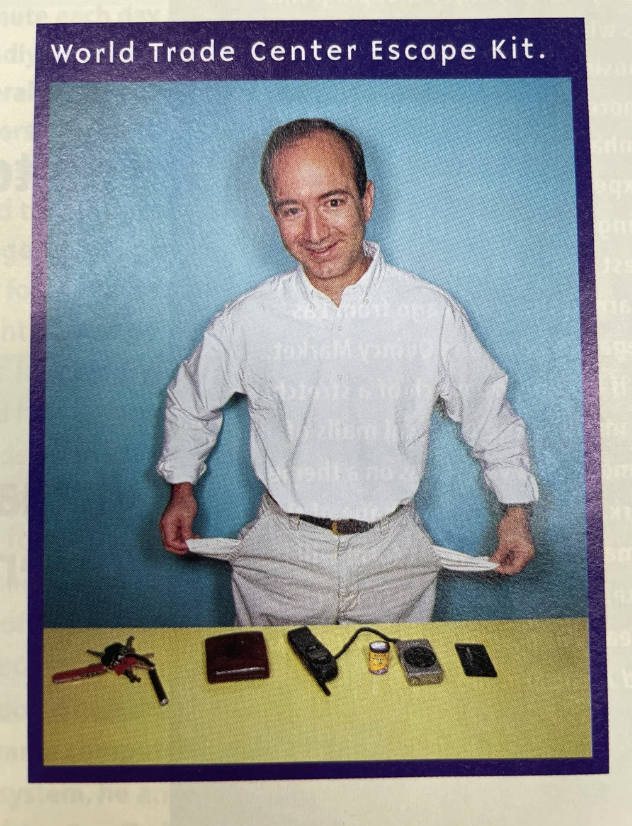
[(321, 253)]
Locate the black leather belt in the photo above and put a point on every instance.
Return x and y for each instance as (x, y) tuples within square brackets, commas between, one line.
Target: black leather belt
[(342, 527), (339, 527)]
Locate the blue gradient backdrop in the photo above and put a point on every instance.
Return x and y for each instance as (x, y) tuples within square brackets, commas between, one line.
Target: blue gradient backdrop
[(157, 219)]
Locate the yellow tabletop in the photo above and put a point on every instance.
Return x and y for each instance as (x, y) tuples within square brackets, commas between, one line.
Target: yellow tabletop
[(537, 707)]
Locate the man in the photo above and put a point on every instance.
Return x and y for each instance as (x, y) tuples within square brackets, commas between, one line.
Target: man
[(342, 361)]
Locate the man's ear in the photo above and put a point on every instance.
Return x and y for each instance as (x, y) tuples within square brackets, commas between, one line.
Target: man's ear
[(368, 199)]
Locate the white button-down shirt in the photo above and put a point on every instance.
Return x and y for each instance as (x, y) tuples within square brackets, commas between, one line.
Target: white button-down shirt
[(340, 398)]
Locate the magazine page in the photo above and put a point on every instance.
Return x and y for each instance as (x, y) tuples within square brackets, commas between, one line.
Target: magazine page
[(132, 203)]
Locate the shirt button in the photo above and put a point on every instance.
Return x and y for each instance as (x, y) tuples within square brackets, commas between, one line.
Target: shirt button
[(339, 376), (339, 329)]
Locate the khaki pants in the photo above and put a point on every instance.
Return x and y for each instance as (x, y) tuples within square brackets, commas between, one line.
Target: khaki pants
[(289, 572)]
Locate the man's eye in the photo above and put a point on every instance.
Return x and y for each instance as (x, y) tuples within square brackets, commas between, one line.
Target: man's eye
[(289, 212), (334, 202)]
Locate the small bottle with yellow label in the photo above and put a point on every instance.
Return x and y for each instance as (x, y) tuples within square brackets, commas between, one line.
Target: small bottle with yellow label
[(378, 657)]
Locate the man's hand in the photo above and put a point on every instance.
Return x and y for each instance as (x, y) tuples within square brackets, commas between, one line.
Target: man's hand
[(176, 524), (515, 545)]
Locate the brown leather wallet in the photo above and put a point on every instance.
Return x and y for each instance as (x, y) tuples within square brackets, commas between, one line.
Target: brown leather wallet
[(238, 656)]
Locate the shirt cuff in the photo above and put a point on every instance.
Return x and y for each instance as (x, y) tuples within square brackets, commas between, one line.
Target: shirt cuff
[(174, 474), (512, 485)]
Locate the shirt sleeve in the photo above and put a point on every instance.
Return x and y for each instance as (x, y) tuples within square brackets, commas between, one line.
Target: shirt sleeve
[(193, 418), (473, 388)]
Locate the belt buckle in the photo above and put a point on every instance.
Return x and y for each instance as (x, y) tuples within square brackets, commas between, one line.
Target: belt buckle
[(334, 528)]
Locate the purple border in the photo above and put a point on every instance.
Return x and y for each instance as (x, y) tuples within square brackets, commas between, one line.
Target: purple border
[(315, 771), (563, 44)]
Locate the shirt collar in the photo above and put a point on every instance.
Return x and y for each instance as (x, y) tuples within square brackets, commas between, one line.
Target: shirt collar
[(361, 290)]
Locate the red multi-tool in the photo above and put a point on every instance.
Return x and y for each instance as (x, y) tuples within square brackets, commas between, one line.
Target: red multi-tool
[(121, 659)]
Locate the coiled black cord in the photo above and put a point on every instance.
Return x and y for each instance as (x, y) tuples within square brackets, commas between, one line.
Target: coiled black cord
[(359, 631)]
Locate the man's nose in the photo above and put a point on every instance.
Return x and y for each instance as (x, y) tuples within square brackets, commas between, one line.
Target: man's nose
[(315, 228)]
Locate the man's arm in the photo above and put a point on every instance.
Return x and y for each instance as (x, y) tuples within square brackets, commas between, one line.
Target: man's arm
[(176, 525), (474, 391), (515, 545), (193, 418)]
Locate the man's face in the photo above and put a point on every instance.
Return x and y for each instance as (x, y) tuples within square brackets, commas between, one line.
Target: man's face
[(317, 208)]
